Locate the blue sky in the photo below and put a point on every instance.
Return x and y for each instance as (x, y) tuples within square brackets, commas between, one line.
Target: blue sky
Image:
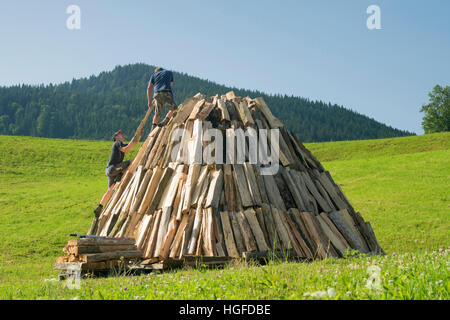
[(321, 50)]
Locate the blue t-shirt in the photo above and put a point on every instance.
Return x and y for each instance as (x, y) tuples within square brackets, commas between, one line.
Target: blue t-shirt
[(161, 80)]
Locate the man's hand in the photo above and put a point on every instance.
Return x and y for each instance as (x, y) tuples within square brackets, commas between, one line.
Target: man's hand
[(150, 105)]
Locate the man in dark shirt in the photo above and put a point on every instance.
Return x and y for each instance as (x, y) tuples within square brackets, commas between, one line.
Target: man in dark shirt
[(161, 81), (115, 166)]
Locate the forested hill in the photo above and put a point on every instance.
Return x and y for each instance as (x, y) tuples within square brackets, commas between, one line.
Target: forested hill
[(95, 107)]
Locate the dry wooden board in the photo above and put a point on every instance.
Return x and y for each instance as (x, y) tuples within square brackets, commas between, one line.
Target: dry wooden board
[(252, 184), (262, 106), (241, 182), (100, 241), (228, 234), (250, 214), (215, 189), (95, 257), (247, 235)]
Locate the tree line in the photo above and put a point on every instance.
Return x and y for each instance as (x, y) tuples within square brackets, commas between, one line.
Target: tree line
[(97, 106)]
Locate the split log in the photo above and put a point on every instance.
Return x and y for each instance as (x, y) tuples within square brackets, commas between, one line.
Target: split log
[(194, 171), (247, 235), (116, 255), (262, 106), (281, 229), (153, 236), (242, 186), (252, 184), (228, 235), (334, 238), (273, 193), (346, 231), (229, 187), (215, 189), (167, 174), (223, 109), (252, 220), (240, 245)]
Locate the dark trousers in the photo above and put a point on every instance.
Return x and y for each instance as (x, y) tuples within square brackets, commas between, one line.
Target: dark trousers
[(114, 172)]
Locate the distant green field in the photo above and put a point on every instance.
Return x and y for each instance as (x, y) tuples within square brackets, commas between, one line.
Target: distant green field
[(49, 188)]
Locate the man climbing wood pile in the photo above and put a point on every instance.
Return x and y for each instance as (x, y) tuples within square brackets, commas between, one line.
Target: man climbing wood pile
[(161, 82), (115, 166)]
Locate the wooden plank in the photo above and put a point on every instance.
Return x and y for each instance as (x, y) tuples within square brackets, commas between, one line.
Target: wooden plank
[(229, 187), (151, 188), (288, 224), (262, 106), (100, 241), (317, 196), (240, 244), (252, 184), (201, 181), (273, 193), (245, 114), (273, 242), (177, 240), (154, 234), (168, 238), (252, 220), (304, 231), (196, 109), (346, 231), (167, 174), (340, 247), (115, 255), (206, 110), (228, 235), (162, 230), (293, 189), (77, 250), (329, 223), (230, 95), (247, 235), (311, 227), (352, 224), (182, 251), (241, 182), (185, 110), (215, 189), (168, 198), (299, 235), (281, 229), (324, 194), (262, 223), (326, 183), (209, 241), (196, 234), (194, 171), (223, 109)]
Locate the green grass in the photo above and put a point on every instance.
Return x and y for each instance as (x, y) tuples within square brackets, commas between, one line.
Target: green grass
[(49, 188)]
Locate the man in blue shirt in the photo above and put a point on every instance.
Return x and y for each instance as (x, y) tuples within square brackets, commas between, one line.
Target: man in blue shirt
[(161, 82)]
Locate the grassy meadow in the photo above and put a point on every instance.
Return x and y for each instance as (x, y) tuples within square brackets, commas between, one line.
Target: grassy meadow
[(49, 187)]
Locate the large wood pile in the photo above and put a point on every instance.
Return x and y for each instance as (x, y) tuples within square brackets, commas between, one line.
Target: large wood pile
[(175, 209)]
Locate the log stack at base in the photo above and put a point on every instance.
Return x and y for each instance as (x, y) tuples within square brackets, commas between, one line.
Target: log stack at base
[(177, 205), (98, 253)]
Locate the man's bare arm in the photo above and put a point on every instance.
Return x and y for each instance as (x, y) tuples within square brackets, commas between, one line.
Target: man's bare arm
[(128, 147), (149, 95)]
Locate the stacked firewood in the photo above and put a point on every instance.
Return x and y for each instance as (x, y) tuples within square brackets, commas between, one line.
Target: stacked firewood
[(100, 251), (176, 208)]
